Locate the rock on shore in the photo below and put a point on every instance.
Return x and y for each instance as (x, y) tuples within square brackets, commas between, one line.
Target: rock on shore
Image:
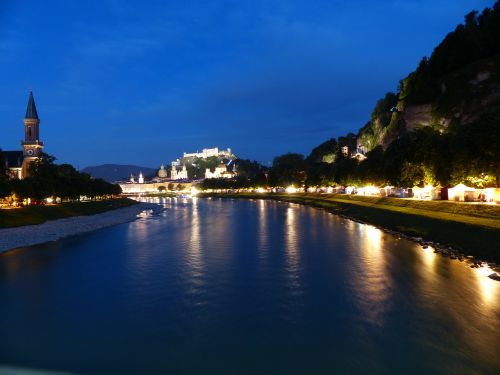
[(11, 238)]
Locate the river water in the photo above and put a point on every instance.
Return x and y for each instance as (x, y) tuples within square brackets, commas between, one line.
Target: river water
[(245, 287)]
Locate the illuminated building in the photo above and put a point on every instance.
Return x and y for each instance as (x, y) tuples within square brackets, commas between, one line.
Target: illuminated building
[(162, 172), (17, 162), (190, 157), (345, 150), (208, 152), (220, 172), (178, 174)]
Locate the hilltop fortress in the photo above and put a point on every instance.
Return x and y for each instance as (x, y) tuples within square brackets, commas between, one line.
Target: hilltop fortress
[(189, 157), (214, 163)]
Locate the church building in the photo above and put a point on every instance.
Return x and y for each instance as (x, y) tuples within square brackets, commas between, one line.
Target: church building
[(17, 162), (176, 174), (221, 172)]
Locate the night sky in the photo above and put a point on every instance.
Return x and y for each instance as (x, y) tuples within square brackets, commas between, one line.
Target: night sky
[(139, 82)]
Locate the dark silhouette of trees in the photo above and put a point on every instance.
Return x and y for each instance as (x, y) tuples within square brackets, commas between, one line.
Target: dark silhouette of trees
[(288, 169), (49, 180), (478, 38)]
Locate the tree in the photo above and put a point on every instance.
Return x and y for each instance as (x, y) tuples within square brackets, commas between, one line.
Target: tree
[(288, 169), (196, 170), (371, 170), (249, 168), (3, 169), (325, 152), (476, 151), (5, 188)]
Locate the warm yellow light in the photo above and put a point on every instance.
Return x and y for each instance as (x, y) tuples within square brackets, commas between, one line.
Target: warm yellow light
[(260, 190), (349, 190), (194, 191), (489, 194), (371, 190), (368, 190), (291, 189), (487, 287)]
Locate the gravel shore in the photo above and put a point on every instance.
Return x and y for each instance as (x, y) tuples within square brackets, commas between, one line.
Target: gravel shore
[(11, 238)]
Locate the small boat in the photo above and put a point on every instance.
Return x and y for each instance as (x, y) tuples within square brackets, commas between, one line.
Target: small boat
[(145, 213)]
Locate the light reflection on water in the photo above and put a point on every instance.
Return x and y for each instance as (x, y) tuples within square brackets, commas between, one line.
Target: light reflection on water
[(292, 235), (226, 286), (373, 282), (263, 225)]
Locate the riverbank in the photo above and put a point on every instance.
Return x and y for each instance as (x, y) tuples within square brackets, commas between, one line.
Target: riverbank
[(32, 215), (470, 229), (51, 230)]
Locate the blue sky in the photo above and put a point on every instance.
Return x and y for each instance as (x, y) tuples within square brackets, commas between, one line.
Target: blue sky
[(139, 82)]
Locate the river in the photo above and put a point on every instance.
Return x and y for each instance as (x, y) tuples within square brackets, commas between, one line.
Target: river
[(245, 287)]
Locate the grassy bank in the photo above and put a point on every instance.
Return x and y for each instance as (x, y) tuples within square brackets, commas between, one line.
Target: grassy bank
[(17, 217), (473, 229)]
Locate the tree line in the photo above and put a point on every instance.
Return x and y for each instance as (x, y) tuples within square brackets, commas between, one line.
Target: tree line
[(49, 180)]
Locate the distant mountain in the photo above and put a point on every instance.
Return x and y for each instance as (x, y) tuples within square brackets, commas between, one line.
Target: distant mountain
[(117, 172)]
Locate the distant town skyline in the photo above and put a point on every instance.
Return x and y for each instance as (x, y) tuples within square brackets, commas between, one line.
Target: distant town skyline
[(131, 82)]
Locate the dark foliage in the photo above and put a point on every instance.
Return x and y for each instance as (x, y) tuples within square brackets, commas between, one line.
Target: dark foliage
[(49, 180), (478, 38)]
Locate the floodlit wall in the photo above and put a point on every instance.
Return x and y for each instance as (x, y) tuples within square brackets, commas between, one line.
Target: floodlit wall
[(152, 187)]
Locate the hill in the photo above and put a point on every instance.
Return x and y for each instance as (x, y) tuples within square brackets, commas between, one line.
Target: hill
[(455, 86), (442, 126), (117, 172)]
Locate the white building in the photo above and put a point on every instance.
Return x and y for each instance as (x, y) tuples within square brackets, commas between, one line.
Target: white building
[(219, 172), (345, 151), (208, 152), (178, 174)]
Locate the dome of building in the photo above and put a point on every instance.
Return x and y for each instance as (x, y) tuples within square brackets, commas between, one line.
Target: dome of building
[(162, 172)]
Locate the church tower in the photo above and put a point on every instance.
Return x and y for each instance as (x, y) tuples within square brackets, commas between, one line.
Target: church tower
[(32, 146)]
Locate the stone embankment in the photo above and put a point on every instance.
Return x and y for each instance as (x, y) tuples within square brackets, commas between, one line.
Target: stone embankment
[(11, 238), (438, 248)]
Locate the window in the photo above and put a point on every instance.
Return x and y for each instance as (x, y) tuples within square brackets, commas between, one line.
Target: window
[(29, 131)]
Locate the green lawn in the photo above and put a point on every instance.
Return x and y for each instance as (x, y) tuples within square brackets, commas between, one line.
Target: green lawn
[(38, 214), (471, 228)]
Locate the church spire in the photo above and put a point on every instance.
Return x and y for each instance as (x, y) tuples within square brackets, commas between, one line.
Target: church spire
[(31, 109)]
